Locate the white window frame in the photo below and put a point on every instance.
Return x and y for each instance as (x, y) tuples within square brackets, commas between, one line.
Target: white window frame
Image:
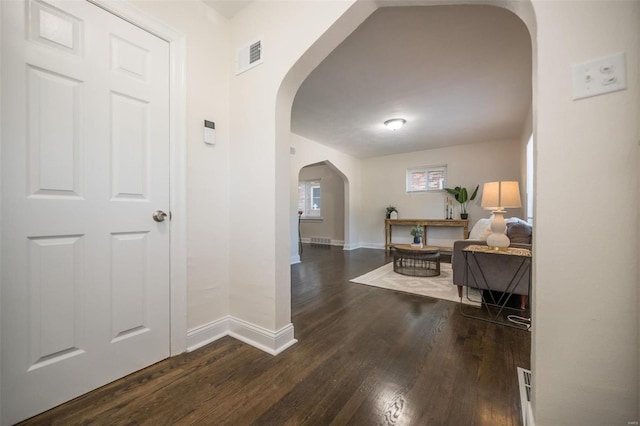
[(307, 211), (426, 169)]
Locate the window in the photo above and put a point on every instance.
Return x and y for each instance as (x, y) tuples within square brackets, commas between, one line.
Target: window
[(309, 198), (428, 178)]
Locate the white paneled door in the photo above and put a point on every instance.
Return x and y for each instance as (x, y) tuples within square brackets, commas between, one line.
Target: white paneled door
[(85, 164)]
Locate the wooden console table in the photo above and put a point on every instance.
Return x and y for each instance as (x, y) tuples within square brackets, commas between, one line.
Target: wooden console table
[(425, 223)]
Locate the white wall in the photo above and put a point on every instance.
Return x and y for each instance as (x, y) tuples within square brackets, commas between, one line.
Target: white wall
[(384, 183), (260, 285), (331, 225), (585, 361), (207, 81)]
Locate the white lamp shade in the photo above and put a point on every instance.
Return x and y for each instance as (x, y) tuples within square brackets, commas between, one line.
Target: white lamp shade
[(491, 195), (499, 195)]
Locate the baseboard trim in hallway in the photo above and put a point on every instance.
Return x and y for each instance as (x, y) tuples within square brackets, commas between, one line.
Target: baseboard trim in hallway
[(267, 341)]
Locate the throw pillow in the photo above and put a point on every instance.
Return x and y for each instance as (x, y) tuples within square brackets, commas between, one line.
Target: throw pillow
[(481, 230), (519, 232)]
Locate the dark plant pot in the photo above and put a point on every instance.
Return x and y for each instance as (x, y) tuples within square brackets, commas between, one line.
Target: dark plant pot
[(416, 240), (464, 216)]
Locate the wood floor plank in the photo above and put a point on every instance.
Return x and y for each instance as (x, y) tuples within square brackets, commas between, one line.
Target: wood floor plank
[(364, 356)]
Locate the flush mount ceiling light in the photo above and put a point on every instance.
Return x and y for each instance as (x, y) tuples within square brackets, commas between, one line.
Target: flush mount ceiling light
[(395, 123)]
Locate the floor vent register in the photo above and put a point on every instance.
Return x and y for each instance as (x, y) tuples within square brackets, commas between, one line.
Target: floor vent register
[(320, 241), (524, 381)]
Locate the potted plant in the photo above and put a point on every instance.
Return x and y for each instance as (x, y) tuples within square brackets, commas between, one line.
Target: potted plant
[(417, 232), (462, 196), (390, 212)]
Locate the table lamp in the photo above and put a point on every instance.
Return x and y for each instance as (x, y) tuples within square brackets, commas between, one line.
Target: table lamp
[(496, 196)]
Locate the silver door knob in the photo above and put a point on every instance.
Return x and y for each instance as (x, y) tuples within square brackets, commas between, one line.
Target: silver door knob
[(159, 216)]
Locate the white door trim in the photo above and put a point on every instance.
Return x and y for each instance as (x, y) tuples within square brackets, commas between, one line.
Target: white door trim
[(178, 160)]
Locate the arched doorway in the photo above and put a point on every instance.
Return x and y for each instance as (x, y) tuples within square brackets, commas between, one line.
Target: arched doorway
[(321, 203), (292, 82), (336, 34)]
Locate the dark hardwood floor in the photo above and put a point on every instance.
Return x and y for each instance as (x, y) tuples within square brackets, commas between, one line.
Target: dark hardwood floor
[(365, 356)]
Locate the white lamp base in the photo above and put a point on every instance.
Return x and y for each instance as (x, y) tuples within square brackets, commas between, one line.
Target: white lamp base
[(498, 239)]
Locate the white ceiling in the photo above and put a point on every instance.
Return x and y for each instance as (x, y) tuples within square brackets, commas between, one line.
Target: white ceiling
[(457, 74), (227, 8)]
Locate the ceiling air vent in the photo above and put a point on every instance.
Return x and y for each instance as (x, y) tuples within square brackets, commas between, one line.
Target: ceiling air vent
[(249, 56)]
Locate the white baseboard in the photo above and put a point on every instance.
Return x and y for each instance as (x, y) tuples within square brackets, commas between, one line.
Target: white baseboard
[(376, 246), (340, 243), (268, 341), (205, 334), (354, 246), (295, 259)]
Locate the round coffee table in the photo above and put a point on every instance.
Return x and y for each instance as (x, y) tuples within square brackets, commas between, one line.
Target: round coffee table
[(416, 261)]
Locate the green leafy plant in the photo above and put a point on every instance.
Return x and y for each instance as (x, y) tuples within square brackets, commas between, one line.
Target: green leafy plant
[(417, 231), (462, 196)]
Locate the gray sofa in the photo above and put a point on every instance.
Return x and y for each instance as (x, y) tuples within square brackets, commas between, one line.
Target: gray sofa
[(498, 270)]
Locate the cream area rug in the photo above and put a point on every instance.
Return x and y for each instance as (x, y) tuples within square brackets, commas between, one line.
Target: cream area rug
[(440, 287)]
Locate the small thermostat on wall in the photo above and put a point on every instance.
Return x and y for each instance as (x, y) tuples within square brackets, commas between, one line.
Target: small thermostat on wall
[(209, 132)]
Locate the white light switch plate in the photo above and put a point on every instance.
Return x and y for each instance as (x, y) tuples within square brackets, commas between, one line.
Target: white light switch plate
[(598, 76)]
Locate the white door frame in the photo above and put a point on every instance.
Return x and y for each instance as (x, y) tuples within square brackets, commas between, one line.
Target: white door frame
[(178, 159)]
